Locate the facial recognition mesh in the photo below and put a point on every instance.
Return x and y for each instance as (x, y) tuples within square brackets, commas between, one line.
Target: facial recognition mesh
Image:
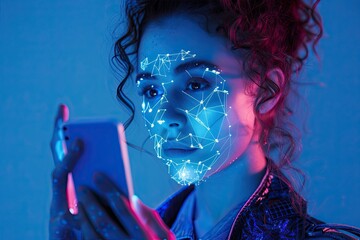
[(189, 122)]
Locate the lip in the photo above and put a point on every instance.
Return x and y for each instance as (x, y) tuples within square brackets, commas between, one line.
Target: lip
[(178, 152), (176, 145)]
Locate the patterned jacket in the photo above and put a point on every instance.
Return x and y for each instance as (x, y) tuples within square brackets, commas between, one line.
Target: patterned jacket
[(273, 211)]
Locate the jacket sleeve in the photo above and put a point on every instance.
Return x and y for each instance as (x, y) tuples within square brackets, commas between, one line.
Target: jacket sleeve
[(316, 229)]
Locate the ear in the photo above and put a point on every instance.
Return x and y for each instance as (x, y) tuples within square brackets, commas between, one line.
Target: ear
[(276, 75)]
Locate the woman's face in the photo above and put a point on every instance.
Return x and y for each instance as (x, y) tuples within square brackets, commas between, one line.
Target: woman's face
[(193, 98)]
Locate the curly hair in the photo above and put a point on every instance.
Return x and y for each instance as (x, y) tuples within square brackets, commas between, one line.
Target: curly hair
[(272, 33)]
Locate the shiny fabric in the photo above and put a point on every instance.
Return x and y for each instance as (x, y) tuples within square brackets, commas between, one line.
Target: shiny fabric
[(273, 211)]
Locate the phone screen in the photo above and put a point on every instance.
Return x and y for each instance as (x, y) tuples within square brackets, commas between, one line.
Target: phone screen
[(105, 151)]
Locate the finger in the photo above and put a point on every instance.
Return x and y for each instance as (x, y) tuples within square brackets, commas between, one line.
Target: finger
[(151, 218), (122, 208), (60, 177), (56, 144), (57, 231), (87, 230), (103, 224), (62, 227)]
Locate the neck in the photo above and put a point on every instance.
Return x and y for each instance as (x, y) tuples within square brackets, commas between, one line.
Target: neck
[(227, 188)]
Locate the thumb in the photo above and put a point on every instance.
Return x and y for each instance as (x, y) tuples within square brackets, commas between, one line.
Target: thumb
[(150, 217)]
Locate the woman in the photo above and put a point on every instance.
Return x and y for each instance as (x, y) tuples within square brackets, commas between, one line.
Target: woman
[(214, 78)]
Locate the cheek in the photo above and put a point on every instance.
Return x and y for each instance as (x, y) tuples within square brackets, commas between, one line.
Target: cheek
[(242, 104), (208, 113), (242, 108), (242, 120), (151, 111)]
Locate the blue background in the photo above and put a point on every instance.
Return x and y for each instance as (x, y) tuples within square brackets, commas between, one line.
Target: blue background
[(58, 51)]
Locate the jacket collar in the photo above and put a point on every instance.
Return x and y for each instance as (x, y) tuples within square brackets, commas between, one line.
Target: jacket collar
[(273, 186)]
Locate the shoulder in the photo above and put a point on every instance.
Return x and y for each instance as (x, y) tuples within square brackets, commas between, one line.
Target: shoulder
[(276, 211)]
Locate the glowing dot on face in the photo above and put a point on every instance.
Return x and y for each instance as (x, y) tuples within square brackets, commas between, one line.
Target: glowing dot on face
[(190, 134), (230, 135), (201, 102), (158, 145), (229, 126), (204, 108), (143, 105), (216, 140), (186, 111), (225, 114), (199, 163), (152, 125), (160, 121), (188, 161), (200, 146), (230, 107), (150, 110), (191, 146), (209, 168)]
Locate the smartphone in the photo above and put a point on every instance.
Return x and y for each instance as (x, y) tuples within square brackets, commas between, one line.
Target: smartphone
[(105, 151)]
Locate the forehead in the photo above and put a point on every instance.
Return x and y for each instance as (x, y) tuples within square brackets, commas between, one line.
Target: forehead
[(172, 34)]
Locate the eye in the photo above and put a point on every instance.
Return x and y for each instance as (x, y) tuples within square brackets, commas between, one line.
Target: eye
[(151, 92), (197, 84)]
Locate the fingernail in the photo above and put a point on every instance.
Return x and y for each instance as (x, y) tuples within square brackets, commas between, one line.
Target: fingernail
[(135, 202), (64, 110), (61, 109)]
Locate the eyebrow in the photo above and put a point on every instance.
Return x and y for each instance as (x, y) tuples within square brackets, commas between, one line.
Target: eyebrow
[(186, 66), (194, 64)]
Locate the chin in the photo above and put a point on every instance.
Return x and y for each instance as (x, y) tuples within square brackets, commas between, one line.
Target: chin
[(185, 172)]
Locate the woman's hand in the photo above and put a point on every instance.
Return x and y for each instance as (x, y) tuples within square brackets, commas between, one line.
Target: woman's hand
[(62, 223), (119, 219), (127, 220)]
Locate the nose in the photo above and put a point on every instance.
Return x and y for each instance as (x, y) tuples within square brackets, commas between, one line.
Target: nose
[(174, 120)]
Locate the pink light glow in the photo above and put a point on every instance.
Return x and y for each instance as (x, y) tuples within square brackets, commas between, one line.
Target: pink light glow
[(71, 195)]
